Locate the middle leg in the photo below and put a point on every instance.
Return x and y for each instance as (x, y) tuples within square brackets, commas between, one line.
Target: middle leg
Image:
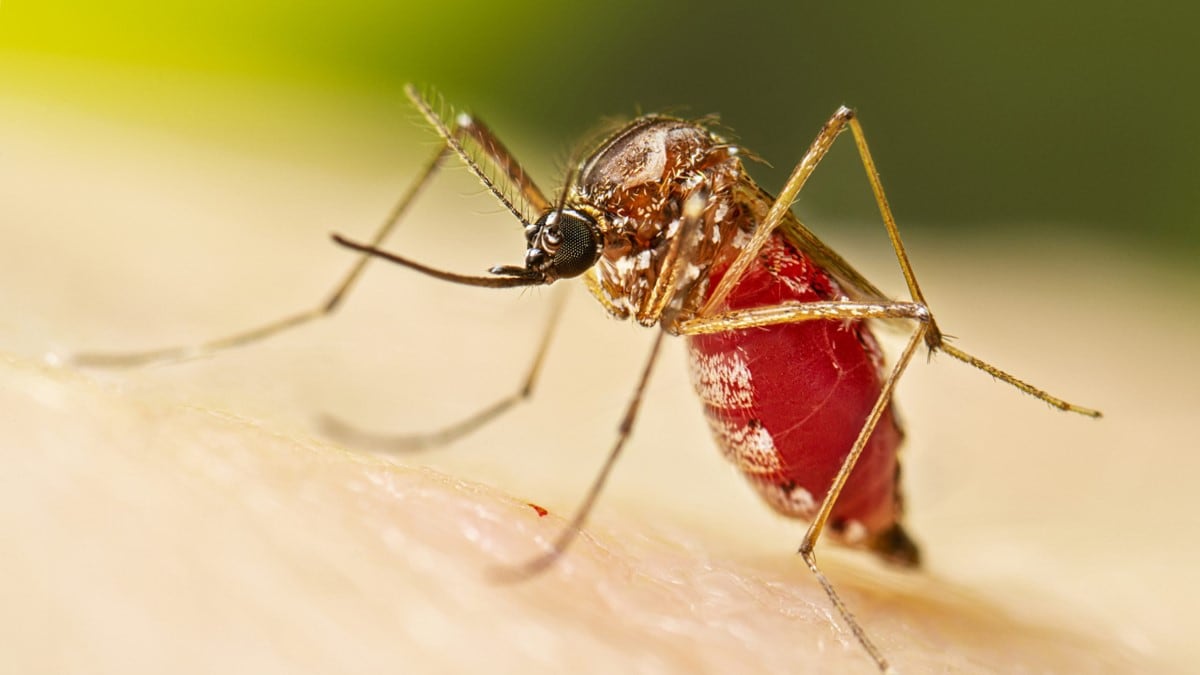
[(384, 442)]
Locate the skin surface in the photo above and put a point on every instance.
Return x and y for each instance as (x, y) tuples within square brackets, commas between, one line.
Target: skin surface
[(191, 518)]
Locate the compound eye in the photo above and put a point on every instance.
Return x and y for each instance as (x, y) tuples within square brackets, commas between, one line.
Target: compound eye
[(575, 240)]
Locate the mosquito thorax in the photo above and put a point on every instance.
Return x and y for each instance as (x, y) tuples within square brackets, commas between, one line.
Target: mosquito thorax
[(640, 178)]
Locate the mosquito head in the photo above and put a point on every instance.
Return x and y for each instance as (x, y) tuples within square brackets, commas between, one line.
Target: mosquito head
[(563, 243)]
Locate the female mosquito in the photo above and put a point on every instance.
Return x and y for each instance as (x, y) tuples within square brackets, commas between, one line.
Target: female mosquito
[(668, 229)]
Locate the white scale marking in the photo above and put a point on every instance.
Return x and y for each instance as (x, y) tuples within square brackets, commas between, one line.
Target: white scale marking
[(722, 380), (623, 266), (796, 502), (751, 448), (854, 532)]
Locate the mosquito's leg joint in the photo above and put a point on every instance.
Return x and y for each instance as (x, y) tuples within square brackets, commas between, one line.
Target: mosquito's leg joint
[(933, 334)]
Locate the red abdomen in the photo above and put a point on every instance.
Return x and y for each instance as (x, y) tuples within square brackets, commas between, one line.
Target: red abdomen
[(786, 402)]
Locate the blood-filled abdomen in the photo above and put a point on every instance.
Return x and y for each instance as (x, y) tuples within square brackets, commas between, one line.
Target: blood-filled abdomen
[(786, 402)]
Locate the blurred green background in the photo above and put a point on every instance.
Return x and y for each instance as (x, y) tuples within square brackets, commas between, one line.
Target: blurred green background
[(986, 118)]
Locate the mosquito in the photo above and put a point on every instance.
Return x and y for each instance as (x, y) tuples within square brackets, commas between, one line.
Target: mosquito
[(668, 229)]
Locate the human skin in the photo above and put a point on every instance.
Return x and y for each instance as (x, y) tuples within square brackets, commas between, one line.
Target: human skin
[(192, 518)]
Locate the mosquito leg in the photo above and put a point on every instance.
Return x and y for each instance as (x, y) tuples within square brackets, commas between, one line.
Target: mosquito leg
[(877, 656), (677, 255), (826, 311), (353, 436), (782, 206), (568, 534), (1016, 382), (464, 127), (844, 117), (174, 354), (781, 209), (933, 337), (794, 312), (822, 517)]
